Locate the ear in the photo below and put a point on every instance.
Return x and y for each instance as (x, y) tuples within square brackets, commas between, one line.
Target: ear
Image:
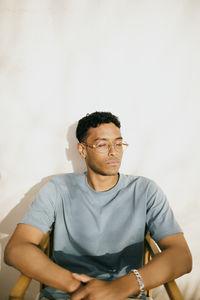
[(82, 150)]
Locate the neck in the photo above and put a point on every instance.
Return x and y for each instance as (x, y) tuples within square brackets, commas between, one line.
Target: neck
[(102, 183)]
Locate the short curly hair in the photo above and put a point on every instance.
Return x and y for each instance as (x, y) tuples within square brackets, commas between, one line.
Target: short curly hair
[(94, 120)]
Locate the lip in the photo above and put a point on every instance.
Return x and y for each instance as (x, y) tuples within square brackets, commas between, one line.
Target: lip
[(113, 162)]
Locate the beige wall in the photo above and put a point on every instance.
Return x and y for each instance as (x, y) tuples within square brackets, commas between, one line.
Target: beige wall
[(62, 59)]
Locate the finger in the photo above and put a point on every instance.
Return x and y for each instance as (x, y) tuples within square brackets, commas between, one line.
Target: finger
[(82, 277), (80, 294)]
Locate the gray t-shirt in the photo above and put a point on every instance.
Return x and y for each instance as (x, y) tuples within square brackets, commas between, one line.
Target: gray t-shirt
[(100, 234)]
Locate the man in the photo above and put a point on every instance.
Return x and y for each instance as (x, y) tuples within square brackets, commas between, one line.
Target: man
[(100, 219)]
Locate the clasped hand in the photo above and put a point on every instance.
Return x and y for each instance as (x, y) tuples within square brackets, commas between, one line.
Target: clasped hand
[(95, 289)]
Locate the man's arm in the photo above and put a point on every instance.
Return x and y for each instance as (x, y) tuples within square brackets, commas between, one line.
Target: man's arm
[(22, 252), (174, 261)]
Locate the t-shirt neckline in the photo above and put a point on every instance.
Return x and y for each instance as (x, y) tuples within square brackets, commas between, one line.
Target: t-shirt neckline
[(110, 191)]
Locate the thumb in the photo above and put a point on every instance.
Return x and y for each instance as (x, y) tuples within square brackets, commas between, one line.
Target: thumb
[(82, 277)]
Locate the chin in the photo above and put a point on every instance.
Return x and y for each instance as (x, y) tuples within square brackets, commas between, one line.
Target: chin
[(106, 171), (110, 173)]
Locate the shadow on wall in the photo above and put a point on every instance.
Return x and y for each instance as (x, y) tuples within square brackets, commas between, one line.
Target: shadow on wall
[(71, 152), (8, 275)]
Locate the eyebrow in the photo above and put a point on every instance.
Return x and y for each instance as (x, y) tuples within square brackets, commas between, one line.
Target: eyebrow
[(104, 139)]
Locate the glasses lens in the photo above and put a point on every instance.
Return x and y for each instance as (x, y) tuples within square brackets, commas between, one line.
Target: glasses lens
[(102, 147), (118, 146)]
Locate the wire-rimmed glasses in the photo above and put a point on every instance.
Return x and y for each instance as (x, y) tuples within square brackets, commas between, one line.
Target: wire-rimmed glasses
[(105, 146)]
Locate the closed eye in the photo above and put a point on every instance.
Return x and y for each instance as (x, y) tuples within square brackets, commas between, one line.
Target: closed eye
[(100, 145)]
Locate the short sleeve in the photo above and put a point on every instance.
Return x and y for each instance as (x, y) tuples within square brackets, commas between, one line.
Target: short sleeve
[(43, 209), (160, 219)]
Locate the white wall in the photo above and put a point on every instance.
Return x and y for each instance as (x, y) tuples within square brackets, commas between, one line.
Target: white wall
[(138, 59)]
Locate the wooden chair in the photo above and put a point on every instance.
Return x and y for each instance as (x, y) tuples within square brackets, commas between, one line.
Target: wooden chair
[(151, 249)]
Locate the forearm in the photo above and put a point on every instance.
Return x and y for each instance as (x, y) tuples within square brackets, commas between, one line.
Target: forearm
[(32, 262), (164, 267)]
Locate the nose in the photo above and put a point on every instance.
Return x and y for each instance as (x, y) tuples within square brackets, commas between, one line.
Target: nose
[(111, 149)]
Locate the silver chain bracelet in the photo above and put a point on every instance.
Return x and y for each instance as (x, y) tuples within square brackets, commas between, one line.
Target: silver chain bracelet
[(140, 282)]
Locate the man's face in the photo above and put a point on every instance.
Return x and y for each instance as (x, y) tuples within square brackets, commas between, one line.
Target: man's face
[(107, 163)]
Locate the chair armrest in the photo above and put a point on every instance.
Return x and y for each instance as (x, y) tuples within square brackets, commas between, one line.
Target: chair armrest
[(171, 287), (23, 281), (20, 287)]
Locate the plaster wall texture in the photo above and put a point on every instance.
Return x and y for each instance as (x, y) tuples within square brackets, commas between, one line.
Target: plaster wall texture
[(62, 59)]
